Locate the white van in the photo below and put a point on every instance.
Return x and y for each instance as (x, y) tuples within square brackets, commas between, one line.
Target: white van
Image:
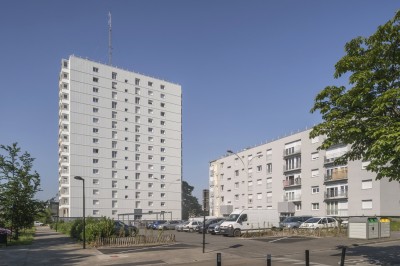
[(249, 220)]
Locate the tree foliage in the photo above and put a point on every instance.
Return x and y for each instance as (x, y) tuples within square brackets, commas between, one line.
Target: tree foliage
[(18, 186), (190, 204), (367, 114)]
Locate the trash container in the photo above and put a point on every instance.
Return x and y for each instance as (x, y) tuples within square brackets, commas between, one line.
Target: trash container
[(363, 227), (384, 227)]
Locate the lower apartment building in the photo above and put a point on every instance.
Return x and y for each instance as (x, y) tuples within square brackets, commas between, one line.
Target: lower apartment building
[(121, 132), (293, 177)]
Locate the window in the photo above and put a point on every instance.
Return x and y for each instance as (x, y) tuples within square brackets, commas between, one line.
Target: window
[(95, 120), (113, 124), (96, 182), (162, 177), (114, 134), (95, 110), (151, 130), (162, 123), (162, 159), (95, 160), (114, 194), (162, 105), (151, 167), (150, 139), (137, 175), (364, 165), (150, 111), (150, 83), (162, 96), (314, 189), (137, 129), (150, 194), (137, 100), (150, 157), (162, 113), (95, 69), (65, 106), (96, 212), (95, 171), (96, 192), (137, 81), (95, 79), (114, 184), (95, 151), (95, 130), (259, 168), (137, 110), (114, 95), (114, 154), (315, 140), (162, 168), (114, 164), (162, 140), (314, 173), (366, 204), (114, 85), (236, 197), (114, 75), (150, 148), (269, 168), (366, 184), (137, 119), (162, 186), (150, 120), (162, 149), (151, 204), (162, 131), (150, 185), (150, 102), (114, 105), (314, 206), (126, 100), (162, 87), (137, 157), (137, 91), (95, 100), (314, 156), (236, 172), (259, 181), (150, 93), (259, 196), (163, 204), (114, 174)]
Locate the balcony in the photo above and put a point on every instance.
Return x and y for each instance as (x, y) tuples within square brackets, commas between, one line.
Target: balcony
[(338, 212), (294, 182), (336, 195), (287, 168), (336, 175), (292, 198), (291, 151)]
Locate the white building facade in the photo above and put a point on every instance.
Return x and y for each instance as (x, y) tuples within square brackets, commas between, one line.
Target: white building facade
[(293, 177), (121, 132)]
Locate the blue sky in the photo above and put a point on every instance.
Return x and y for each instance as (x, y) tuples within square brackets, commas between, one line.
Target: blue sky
[(249, 70)]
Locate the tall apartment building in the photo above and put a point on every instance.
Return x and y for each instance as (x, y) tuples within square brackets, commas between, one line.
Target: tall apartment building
[(293, 177), (121, 132)]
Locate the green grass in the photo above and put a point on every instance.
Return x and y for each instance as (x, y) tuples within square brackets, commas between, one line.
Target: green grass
[(25, 238), (395, 225)]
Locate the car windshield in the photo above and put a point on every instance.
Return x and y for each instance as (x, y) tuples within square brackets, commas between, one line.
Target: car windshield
[(232, 217), (290, 220), (313, 220)]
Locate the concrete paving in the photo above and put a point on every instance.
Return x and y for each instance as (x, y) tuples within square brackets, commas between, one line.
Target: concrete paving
[(52, 248)]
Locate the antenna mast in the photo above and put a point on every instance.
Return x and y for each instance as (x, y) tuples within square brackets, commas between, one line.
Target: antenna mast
[(109, 39)]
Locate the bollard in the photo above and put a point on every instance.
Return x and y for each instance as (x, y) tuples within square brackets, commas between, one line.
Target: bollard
[(269, 260), (307, 258), (343, 256), (219, 259)]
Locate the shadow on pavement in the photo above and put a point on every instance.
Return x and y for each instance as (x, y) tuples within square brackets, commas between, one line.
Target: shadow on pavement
[(387, 255)]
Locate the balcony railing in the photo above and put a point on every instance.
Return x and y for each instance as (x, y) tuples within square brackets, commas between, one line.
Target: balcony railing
[(336, 195), (336, 175), (338, 212), (286, 168), (290, 152), (292, 198), (292, 182)]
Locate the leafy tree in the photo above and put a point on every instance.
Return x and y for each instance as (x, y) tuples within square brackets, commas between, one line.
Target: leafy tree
[(190, 204), (18, 186), (367, 114)]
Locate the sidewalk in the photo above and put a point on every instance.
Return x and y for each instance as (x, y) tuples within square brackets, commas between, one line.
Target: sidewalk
[(52, 248)]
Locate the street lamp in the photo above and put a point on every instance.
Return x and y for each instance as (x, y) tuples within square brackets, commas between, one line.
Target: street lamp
[(84, 221)]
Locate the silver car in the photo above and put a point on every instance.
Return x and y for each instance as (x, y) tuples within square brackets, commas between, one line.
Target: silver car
[(170, 225), (180, 226)]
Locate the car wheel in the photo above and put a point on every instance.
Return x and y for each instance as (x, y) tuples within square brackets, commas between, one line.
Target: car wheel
[(164, 228), (190, 230), (236, 233)]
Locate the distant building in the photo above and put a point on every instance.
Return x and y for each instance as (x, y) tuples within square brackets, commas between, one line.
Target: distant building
[(293, 177), (121, 132)]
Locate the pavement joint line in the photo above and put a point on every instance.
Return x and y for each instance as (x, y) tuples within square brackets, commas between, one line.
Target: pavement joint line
[(278, 239)]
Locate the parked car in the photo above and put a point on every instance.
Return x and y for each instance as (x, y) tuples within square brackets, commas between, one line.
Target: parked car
[(201, 227), (293, 221), (213, 227), (129, 230), (179, 227), (170, 225), (191, 226), (37, 223), (320, 222), (157, 223)]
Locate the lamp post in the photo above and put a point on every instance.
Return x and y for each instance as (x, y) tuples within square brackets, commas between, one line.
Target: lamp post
[(84, 221)]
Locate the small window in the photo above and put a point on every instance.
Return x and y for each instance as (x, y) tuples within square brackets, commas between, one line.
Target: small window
[(162, 104), (95, 79), (315, 206), (366, 204), (137, 81), (150, 84), (95, 130), (366, 184), (162, 96), (95, 120), (114, 75), (95, 100), (162, 87), (95, 110), (95, 69), (150, 102), (314, 189), (96, 90), (314, 156), (114, 114), (95, 140), (114, 85), (151, 93)]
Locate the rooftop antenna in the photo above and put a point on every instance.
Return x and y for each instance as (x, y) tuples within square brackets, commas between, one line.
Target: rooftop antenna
[(109, 39)]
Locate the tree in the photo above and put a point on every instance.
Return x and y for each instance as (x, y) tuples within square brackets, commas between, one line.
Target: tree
[(190, 204), (18, 186), (366, 115)]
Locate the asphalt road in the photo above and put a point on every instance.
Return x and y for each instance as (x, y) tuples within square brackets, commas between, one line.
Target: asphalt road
[(285, 250)]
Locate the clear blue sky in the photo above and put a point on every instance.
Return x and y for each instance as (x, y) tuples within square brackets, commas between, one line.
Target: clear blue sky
[(249, 70)]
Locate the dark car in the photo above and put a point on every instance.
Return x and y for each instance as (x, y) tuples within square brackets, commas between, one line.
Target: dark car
[(126, 230), (212, 227), (293, 221), (201, 227)]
